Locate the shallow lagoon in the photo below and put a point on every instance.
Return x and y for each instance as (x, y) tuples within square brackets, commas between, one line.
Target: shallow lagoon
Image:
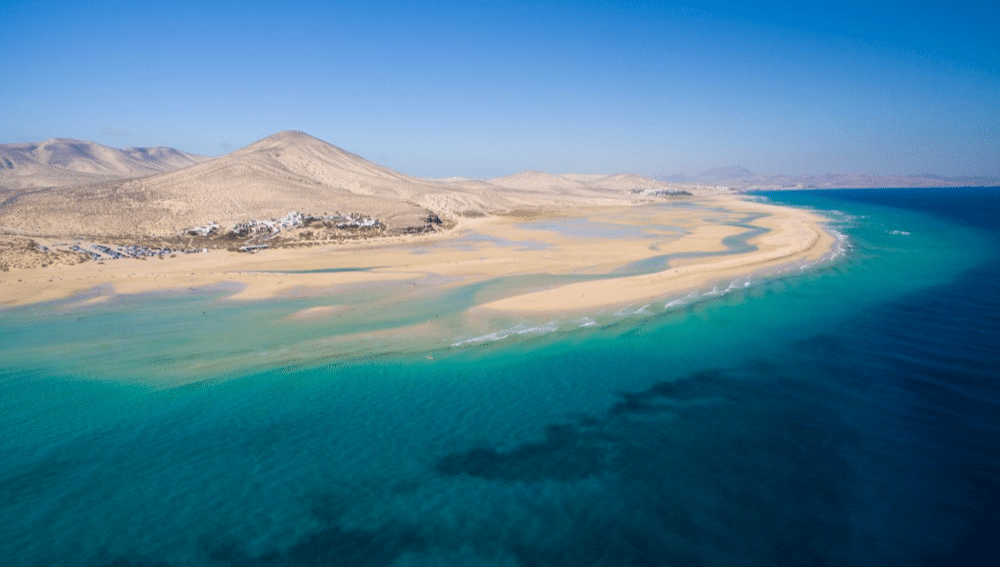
[(841, 414)]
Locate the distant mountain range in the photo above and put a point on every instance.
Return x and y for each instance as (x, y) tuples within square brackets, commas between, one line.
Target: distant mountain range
[(737, 177), (61, 162)]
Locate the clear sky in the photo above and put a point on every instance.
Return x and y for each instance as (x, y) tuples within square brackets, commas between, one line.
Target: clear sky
[(480, 89)]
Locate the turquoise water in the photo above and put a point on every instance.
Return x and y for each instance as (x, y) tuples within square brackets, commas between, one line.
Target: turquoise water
[(844, 414)]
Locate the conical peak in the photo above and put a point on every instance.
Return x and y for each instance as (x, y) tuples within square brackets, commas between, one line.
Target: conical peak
[(292, 136), (286, 139)]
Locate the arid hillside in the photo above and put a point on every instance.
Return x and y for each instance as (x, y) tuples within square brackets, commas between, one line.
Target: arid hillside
[(288, 171), (62, 162)]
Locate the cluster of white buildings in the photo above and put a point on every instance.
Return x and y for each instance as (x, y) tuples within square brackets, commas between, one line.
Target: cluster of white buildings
[(207, 230), (271, 227), (354, 220), (251, 229)]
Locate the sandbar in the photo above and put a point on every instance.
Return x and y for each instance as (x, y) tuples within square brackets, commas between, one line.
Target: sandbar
[(480, 249)]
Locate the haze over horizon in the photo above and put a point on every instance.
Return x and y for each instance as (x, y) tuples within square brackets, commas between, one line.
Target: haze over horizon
[(440, 89)]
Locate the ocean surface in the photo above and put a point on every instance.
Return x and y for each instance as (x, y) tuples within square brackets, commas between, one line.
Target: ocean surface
[(845, 413)]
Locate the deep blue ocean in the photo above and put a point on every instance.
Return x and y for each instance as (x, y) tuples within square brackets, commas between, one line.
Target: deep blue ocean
[(841, 414)]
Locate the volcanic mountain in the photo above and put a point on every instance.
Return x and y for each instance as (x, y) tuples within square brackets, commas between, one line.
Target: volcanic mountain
[(288, 171)]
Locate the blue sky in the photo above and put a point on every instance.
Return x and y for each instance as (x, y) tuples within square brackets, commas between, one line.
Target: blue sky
[(490, 88)]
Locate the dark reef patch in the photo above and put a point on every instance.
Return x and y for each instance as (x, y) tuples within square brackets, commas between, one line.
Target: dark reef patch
[(331, 545), (712, 468), (566, 454)]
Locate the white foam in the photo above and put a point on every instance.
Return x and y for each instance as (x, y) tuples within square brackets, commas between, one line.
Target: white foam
[(840, 248), (585, 322), (519, 329), (898, 232), (682, 300)]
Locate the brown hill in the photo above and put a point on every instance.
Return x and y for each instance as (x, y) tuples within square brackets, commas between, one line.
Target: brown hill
[(288, 171), (539, 181)]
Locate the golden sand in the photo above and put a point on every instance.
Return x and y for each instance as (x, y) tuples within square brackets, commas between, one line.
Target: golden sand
[(476, 250)]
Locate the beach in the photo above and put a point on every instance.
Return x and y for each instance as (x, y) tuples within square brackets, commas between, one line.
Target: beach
[(693, 241), (382, 414)]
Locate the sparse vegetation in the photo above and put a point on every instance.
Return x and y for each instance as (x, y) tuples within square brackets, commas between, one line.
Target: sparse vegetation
[(22, 253)]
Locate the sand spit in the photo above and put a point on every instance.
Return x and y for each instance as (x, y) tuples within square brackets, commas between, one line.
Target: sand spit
[(569, 241), (794, 237)]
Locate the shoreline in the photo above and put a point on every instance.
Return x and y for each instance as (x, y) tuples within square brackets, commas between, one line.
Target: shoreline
[(808, 244), (553, 241)]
